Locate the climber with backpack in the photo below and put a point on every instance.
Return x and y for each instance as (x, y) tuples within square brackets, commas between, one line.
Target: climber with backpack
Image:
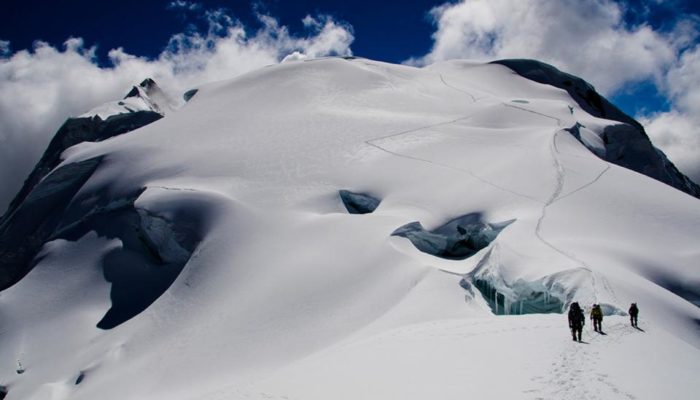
[(576, 320), (634, 312), (597, 318)]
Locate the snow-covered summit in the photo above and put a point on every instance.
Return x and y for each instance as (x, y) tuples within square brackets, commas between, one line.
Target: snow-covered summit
[(146, 96), (346, 228)]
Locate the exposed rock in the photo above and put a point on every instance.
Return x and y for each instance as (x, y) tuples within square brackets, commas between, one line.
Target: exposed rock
[(189, 94), (358, 203), (581, 91), (626, 144), (457, 240), (72, 132), (35, 219), (154, 248)]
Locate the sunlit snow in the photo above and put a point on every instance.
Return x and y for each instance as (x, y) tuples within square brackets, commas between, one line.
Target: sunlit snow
[(285, 294)]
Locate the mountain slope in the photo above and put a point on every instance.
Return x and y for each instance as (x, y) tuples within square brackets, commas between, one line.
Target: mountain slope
[(627, 144), (22, 231), (225, 221)]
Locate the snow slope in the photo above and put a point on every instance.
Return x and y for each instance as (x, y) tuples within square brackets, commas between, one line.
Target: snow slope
[(146, 96), (284, 294)]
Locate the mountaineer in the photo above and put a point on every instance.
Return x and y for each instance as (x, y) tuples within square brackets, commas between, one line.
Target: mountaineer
[(634, 312), (576, 320), (597, 318)]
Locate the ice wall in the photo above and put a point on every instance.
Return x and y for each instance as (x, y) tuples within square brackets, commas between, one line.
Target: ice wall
[(508, 292), (456, 240)]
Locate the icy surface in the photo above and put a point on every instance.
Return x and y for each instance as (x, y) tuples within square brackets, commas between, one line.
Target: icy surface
[(285, 294), (358, 203), (456, 240), (188, 95)]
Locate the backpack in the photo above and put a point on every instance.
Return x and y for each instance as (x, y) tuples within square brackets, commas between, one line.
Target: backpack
[(634, 310)]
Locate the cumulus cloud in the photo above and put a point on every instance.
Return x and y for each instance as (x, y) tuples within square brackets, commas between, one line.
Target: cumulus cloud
[(4, 48), (591, 39), (43, 86), (587, 38), (183, 5), (677, 132)]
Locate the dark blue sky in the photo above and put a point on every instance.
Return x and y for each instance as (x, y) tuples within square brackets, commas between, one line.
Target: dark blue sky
[(388, 30)]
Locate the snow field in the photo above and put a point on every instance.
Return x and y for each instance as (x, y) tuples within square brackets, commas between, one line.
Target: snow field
[(288, 296)]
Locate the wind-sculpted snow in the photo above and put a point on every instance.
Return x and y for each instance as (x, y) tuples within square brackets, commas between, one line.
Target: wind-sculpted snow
[(154, 249), (36, 210), (358, 203), (214, 252), (456, 240), (153, 252), (626, 144)]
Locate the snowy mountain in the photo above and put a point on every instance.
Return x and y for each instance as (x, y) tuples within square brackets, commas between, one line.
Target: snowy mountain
[(350, 229), (22, 230)]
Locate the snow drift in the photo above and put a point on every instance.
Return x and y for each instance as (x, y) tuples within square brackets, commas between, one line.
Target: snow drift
[(240, 245)]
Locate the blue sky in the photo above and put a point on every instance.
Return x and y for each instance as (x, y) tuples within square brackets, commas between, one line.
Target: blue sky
[(58, 59), (389, 30)]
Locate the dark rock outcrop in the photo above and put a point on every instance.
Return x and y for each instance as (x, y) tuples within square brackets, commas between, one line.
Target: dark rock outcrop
[(627, 144), (49, 206), (78, 130), (456, 240), (188, 95), (35, 219), (154, 248), (358, 203), (37, 209)]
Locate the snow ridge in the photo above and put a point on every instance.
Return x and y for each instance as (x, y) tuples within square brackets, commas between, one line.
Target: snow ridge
[(241, 246)]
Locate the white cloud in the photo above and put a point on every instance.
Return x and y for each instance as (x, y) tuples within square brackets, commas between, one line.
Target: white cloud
[(4, 48), (591, 39), (43, 86), (677, 132), (585, 37), (184, 5)]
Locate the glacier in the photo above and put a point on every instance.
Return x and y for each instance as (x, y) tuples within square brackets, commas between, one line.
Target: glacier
[(346, 228)]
